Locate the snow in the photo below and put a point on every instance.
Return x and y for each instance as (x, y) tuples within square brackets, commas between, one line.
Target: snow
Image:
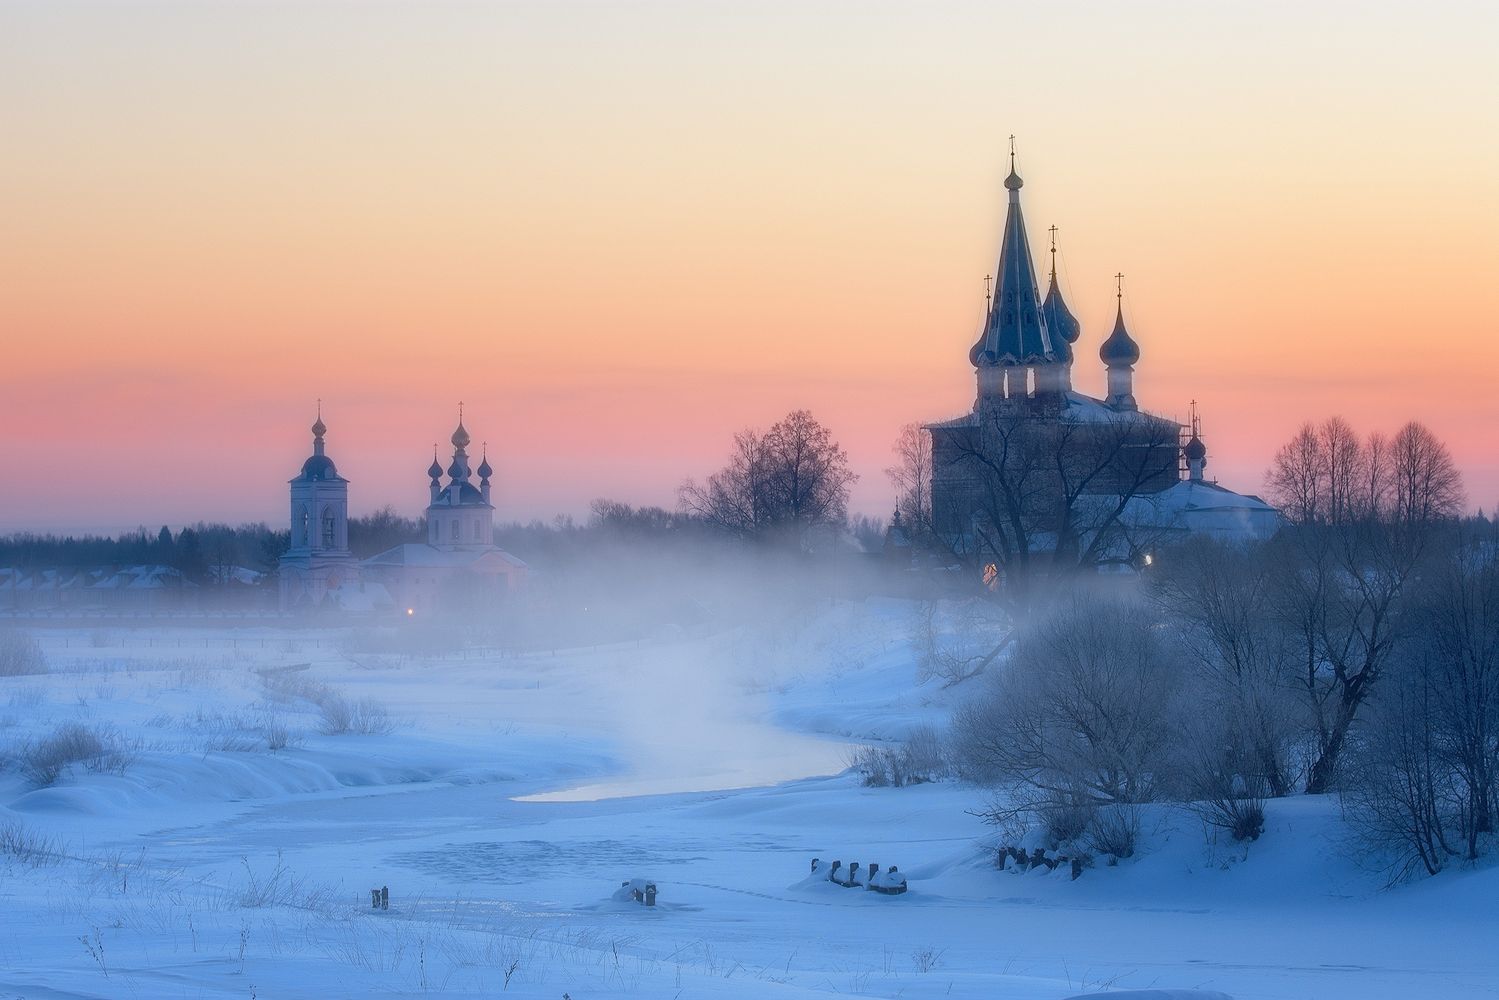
[(517, 793)]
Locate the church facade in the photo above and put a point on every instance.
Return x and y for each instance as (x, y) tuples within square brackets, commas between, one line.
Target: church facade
[(1038, 467), (458, 567)]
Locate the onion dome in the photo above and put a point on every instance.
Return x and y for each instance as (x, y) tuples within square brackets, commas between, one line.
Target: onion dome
[(484, 470), (1120, 349), (1013, 182), (434, 470), (319, 428), (460, 437), (456, 470), (1195, 450), (319, 467), (1060, 322)]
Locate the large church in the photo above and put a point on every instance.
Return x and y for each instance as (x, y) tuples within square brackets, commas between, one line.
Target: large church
[(1036, 466), (457, 567)]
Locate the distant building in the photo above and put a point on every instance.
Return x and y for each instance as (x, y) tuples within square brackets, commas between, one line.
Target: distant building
[(459, 566), (1023, 362), (318, 571)]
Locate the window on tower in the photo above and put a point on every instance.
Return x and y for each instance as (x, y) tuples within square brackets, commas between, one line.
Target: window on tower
[(327, 531)]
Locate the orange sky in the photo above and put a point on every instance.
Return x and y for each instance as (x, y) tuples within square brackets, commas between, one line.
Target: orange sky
[(620, 232)]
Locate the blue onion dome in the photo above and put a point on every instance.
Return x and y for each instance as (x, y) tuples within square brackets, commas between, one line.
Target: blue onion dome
[(1195, 450), (978, 355), (456, 470), (319, 467), (484, 470), (460, 436), (1059, 319), (434, 470), (1120, 349)]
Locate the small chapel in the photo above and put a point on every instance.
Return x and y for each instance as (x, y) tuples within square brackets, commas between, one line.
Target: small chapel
[(458, 567)]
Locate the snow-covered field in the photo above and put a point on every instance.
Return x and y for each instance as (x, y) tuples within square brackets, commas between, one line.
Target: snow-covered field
[(506, 798)]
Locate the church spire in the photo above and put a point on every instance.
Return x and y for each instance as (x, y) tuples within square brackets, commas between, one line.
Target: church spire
[(1015, 330)]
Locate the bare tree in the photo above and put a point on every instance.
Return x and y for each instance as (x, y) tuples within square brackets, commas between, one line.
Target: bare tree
[(1082, 716), (911, 475), (1219, 599), (1048, 496), (1424, 484), (1365, 515), (790, 484)]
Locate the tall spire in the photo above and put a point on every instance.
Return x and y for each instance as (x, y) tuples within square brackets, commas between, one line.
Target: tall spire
[(1015, 331)]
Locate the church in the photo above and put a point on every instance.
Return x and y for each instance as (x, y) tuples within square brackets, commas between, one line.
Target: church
[(1038, 468), (457, 568)]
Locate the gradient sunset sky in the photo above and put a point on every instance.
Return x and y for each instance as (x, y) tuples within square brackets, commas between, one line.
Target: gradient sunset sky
[(620, 232)]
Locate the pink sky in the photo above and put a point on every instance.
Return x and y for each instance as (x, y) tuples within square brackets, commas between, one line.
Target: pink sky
[(620, 232)]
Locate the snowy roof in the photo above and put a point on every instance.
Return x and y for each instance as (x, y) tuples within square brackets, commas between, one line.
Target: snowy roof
[(417, 554), (1080, 408), (1204, 508)]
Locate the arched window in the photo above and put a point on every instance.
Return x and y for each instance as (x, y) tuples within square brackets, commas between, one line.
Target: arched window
[(476, 531), (300, 525), (327, 528), (454, 532)]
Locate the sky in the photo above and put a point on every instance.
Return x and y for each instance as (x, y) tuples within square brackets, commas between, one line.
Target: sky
[(620, 232)]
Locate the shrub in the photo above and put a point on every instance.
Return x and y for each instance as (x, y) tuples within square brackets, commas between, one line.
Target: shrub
[(44, 761), (371, 719), (1114, 830), (1066, 822), (20, 654), (20, 844), (366, 716), (277, 735), (918, 760), (1241, 818)]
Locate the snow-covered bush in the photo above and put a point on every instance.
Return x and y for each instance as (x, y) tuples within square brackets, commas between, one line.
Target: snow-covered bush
[(919, 759), (1114, 830), (43, 761), (1083, 712), (366, 716), (20, 654), (336, 713)]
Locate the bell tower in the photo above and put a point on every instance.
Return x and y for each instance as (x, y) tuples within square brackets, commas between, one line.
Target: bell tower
[(318, 559)]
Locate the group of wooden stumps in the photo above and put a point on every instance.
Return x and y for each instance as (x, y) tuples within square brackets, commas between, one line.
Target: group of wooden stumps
[(888, 883), (1020, 860)]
